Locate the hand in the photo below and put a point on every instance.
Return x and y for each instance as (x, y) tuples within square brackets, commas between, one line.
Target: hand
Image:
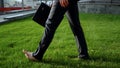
[(64, 3)]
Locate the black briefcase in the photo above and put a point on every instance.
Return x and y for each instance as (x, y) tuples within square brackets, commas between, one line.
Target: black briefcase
[(41, 14)]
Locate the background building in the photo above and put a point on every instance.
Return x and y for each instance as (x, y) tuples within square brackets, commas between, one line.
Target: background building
[(100, 6), (85, 6), (17, 5), (20, 5), (1, 5)]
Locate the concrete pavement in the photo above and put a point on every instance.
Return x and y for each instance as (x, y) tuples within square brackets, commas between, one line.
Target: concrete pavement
[(13, 16)]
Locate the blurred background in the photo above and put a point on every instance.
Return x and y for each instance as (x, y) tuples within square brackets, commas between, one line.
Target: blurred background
[(7, 6), (85, 6)]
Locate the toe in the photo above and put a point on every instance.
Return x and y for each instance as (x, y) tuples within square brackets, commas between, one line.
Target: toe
[(24, 51)]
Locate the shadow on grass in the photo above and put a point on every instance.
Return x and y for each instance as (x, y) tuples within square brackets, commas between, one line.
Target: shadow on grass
[(106, 59), (93, 62), (68, 64)]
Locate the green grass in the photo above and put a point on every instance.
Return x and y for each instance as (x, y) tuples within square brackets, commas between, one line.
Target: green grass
[(102, 34)]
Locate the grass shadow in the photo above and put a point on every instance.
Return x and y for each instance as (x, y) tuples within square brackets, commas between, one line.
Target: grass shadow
[(68, 64), (106, 59), (79, 63)]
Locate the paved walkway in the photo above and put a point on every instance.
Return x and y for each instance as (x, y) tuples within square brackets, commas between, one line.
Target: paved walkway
[(5, 18)]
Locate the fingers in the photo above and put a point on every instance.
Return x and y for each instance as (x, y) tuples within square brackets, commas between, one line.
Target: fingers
[(64, 3)]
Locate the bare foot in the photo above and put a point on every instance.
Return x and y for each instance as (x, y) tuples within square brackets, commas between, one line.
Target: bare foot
[(29, 55)]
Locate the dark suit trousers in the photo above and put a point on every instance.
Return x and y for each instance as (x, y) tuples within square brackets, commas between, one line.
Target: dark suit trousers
[(55, 17)]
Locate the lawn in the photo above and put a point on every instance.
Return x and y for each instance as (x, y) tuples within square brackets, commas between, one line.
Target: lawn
[(102, 32)]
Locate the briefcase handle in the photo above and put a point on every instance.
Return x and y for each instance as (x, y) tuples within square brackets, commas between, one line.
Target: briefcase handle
[(45, 1)]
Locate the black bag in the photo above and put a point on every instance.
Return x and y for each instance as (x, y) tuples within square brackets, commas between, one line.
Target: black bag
[(41, 14)]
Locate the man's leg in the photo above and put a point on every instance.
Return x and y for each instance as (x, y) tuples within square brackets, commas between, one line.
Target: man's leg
[(73, 17), (54, 19)]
